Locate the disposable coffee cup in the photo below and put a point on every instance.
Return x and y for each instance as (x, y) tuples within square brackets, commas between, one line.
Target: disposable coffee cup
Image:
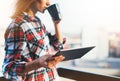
[(54, 11)]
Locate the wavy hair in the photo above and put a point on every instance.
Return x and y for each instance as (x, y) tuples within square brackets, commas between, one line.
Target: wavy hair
[(22, 6)]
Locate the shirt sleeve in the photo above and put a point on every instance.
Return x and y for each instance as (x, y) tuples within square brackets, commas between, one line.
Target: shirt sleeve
[(13, 64), (55, 42)]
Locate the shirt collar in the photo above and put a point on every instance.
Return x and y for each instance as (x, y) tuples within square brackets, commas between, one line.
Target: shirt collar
[(30, 18)]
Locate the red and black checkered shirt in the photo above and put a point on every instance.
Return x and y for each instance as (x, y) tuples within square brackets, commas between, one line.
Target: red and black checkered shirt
[(27, 39)]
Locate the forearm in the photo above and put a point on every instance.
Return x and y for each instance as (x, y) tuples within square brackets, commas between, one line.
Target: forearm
[(37, 63), (58, 33), (31, 66)]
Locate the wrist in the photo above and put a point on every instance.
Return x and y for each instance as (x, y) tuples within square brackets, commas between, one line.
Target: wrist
[(37, 63)]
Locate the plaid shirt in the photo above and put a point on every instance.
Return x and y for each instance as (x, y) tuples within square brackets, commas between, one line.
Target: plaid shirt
[(27, 39)]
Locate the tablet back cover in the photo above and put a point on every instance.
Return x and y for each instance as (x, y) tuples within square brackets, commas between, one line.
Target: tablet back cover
[(76, 53)]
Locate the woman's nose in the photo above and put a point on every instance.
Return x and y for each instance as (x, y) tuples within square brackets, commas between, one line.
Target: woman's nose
[(48, 2)]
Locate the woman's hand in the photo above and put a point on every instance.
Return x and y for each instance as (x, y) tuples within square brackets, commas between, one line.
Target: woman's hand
[(54, 61), (49, 61)]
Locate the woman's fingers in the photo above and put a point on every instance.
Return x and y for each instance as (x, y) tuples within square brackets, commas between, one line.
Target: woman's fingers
[(57, 59)]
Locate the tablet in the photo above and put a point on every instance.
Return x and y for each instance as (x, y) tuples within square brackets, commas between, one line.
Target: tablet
[(74, 53)]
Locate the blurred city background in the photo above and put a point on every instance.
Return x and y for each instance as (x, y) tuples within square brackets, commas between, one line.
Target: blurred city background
[(85, 23)]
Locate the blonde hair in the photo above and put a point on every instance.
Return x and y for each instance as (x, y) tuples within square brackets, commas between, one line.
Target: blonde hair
[(22, 6)]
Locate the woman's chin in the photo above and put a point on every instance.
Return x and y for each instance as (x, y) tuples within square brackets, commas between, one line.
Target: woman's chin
[(42, 11)]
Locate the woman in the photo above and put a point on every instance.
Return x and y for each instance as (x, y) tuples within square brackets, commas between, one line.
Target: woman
[(28, 45)]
